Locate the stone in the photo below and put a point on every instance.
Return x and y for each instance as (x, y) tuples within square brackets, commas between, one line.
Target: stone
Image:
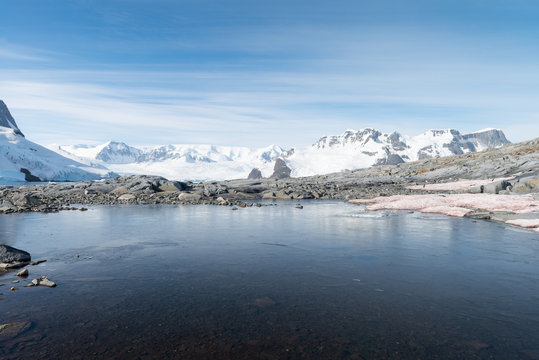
[(11, 330), (171, 186), (221, 201), (189, 197), (37, 262), (43, 281), (10, 254), (28, 176), (127, 197), (23, 272), (255, 174), (23, 200), (281, 170)]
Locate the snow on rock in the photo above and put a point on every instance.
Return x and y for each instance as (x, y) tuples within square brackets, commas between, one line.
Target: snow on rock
[(457, 185), (21, 159), (367, 147), (525, 223), (453, 204)]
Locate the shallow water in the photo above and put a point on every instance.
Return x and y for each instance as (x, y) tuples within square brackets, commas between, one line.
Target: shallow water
[(325, 281)]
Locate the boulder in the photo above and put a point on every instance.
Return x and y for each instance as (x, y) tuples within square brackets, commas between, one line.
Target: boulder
[(281, 170), (171, 186), (28, 176), (10, 254), (126, 197), (189, 197), (25, 200), (255, 174)]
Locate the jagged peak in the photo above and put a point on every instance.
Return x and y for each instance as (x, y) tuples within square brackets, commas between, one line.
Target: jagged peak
[(7, 120)]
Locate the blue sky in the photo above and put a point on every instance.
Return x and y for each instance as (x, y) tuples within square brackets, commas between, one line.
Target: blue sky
[(253, 73)]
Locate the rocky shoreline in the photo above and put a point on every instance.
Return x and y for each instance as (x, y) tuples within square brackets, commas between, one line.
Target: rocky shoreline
[(517, 164)]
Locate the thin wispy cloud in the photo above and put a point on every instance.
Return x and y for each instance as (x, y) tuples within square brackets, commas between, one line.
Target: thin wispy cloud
[(185, 73)]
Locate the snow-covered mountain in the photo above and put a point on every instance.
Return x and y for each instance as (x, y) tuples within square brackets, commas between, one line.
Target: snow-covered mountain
[(21, 159), (350, 150), (178, 162), (368, 147)]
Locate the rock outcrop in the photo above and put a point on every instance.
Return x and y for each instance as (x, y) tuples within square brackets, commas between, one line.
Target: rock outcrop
[(6, 120), (11, 257), (281, 170), (255, 174)]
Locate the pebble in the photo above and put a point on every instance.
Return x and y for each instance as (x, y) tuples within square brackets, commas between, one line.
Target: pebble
[(37, 262), (23, 272)]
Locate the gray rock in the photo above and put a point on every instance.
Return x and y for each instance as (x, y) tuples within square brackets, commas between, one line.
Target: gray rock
[(28, 176), (6, 120), (43, 281), (171, 186), (23, 272), (281, 170), (10, 254), (189, 197), (255, 174), (126, 197), (22, 200)]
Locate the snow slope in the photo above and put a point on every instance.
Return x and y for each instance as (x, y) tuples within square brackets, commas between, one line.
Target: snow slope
[(17, 153), (176, 162), (368, 147)]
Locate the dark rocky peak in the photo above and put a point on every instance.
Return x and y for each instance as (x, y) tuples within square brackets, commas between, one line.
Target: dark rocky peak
[(488, 138), (396, 141), (6, 120), (360, 137), (255, 174), (281, 170)]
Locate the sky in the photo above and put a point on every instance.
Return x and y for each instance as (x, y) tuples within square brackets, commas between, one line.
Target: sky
[(254, 72)]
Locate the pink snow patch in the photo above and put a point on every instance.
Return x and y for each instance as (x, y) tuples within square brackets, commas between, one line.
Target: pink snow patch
[(456, 185), (525, 223), (453, 203), (447, 210)]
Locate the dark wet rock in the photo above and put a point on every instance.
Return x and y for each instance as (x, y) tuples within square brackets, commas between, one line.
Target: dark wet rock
[(28, 176), (10, 255), (7, 120), (255, 174), (281, 170)]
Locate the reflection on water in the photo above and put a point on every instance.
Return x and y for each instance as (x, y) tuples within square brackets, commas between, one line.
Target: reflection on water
[(327, 281)]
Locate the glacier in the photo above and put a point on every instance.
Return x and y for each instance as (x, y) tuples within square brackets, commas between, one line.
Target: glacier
[(350, 150)]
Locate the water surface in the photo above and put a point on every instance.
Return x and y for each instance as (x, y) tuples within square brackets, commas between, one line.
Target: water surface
[(325, 281)]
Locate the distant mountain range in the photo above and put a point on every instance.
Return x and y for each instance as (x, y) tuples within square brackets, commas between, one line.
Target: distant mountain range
[(20, 157)]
